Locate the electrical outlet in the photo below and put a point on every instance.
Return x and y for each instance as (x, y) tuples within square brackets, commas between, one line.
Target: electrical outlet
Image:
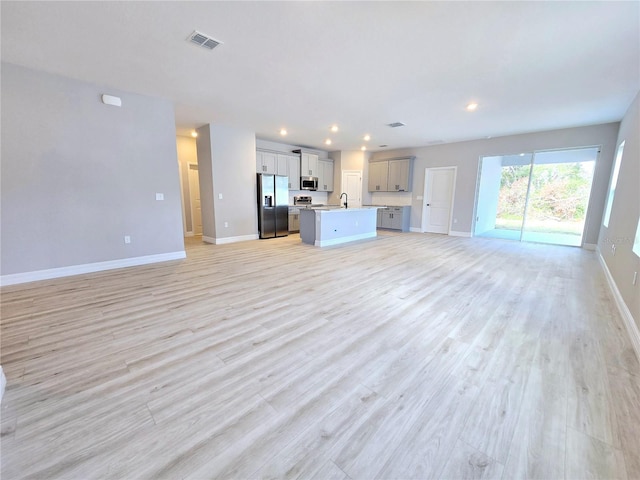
[(127, 239), (219, 196), (226, 224), (455, 220), (159, 196)]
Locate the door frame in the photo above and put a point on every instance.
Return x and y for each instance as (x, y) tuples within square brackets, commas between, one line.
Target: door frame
[(191, 209), (343, 182), (423, 219)]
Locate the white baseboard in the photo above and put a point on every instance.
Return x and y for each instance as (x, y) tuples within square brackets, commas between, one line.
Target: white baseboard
[(627, 318), (453, 233), (223, 240), (48, 274), (189, 234), (415, 230), (337, 241), (589, 246)]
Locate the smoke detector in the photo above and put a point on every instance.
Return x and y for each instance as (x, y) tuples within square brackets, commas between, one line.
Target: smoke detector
[(203, 40), (396, 124)]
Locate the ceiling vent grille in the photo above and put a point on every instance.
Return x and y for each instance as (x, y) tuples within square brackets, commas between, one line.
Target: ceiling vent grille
[(396, 124), (203, 40)]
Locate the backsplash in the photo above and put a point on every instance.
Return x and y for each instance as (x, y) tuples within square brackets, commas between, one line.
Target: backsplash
[(399, 199)]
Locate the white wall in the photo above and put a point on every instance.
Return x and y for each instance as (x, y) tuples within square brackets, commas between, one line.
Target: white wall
[(227, 173), (488, 192), (466, 155), (625, 213), (78, 175)]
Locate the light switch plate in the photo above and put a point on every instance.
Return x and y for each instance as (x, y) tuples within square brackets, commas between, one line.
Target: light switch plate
[(127, 239), (159, 196), (219, 196)]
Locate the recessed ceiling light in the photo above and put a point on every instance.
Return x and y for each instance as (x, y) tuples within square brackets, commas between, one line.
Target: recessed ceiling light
[(334, 128), (363, 148), (471, 107), (367, 137), (327, 141), (522, 154), (194, 134), (283, 131)]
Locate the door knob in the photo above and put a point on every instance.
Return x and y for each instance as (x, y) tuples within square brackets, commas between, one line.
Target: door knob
[(428, 204)]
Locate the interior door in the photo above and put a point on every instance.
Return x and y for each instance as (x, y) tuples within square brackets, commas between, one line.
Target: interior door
[(352, 186), (194, 196), (439, 185)]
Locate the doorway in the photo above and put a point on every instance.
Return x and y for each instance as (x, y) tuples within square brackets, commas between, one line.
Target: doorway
[(352, 186), (536, 197), (194, 198), (437, 209)]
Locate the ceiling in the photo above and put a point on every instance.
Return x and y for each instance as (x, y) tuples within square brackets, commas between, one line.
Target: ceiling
[(305, 66)]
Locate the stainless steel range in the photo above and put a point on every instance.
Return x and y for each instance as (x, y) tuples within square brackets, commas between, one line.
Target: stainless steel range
[(302, 200)]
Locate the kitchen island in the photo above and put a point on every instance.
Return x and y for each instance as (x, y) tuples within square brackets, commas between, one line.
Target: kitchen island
[(322, 226)]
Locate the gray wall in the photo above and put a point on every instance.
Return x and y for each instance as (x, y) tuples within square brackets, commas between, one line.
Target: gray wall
[(466, 155), (227, 168), (624, 214), (78, 175)]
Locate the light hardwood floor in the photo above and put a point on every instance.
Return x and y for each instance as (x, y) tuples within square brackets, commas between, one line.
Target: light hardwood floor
[(405, 356)]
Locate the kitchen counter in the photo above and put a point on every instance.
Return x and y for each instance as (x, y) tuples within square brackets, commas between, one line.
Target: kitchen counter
[(327, 225)]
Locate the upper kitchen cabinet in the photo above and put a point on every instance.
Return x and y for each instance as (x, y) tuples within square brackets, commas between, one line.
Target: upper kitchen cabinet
[(308, 164), (399, 175), (289, 165), (391, 175), (325, 175), (266, 162), (378, 176)]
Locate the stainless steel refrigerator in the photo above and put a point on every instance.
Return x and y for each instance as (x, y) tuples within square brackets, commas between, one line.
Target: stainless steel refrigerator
[(273, 205)]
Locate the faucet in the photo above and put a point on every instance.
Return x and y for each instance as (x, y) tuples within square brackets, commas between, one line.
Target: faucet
[(346, 198)]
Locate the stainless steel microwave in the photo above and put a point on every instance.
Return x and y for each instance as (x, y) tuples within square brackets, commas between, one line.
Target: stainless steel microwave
[(308, 183)]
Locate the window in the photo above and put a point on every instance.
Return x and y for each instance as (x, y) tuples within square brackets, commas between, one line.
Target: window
[(612, 187)]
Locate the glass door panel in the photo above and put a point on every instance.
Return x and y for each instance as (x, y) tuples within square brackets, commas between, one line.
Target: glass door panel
[(558, 196)]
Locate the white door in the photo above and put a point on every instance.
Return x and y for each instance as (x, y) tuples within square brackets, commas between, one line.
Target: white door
[(439, 186), (194, 195), (352, 186)]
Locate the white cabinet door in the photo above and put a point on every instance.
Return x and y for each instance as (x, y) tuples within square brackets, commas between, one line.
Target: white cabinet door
[(289, 165), (399, 174), (378, 176), (325, 176), (294, 172), (283, 165), (308, 165), (267, 162)]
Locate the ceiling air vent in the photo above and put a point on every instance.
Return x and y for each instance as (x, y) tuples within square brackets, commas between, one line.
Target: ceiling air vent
[(396, 124), (203, 40)]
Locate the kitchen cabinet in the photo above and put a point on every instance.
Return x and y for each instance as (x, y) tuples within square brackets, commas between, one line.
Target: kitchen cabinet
[(325, 175), (392, 175), (308, 164), (266, 162), (399, 175), (394, 218), (289, 165), (294, 219), (378, 176)]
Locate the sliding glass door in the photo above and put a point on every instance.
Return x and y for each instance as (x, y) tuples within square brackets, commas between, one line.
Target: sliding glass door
[(536, 197)]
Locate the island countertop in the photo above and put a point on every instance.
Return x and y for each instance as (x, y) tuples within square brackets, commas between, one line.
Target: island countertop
[(324, 226)]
